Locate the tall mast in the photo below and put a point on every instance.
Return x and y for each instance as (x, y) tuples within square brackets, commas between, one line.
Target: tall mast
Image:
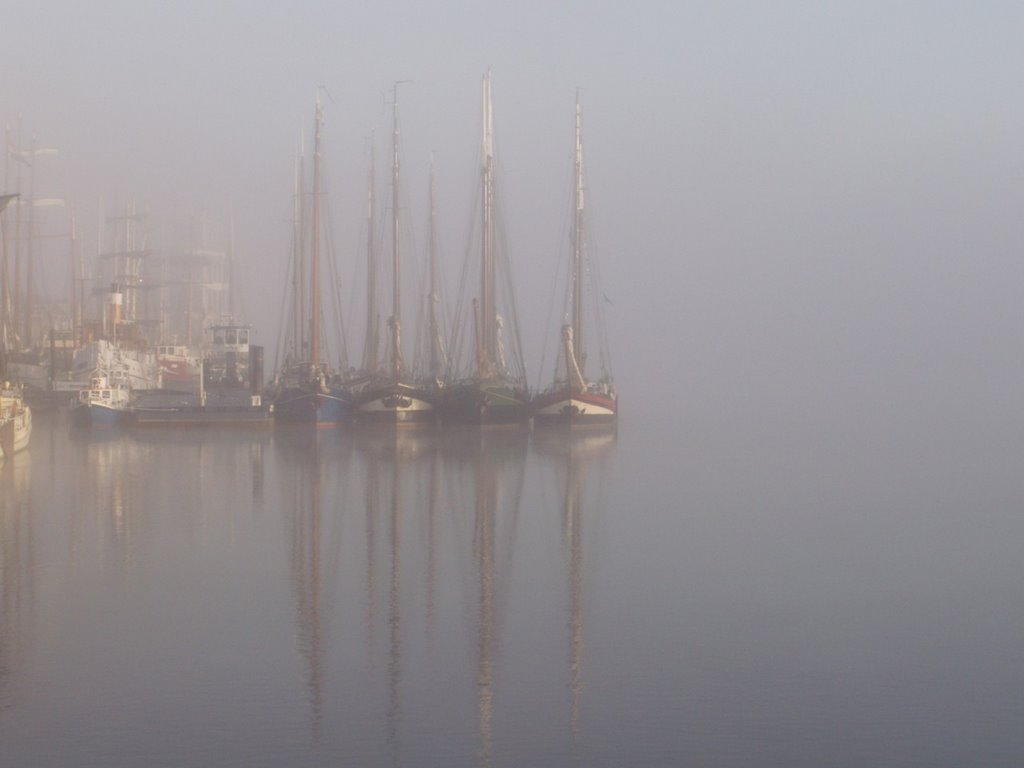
[(302, 313), (298, 318), (27, 322), (488, 325), (314, 336), (4, 286), (372, 338), (232, 289), (437, 352), (76, 308), (577, 248), (16, 290), (396, 300)]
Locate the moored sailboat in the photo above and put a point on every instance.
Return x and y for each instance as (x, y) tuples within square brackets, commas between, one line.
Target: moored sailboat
[(572, 398), (307, 393), (496, 392), (393, 398)]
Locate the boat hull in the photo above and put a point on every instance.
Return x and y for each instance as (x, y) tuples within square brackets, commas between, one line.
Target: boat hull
[(15, 432), (87, 416), (204, 416), (233, 407), (567, 407), (300, 407), (396, 404), (485, 403)]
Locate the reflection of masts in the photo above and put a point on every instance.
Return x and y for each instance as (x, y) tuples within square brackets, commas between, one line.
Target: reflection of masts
[(574, 536), (432, 493), (484, 536), (306, 584), (372, 503), (394, 619)]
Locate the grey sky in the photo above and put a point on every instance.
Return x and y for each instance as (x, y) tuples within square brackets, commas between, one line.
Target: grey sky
[(810, 198)]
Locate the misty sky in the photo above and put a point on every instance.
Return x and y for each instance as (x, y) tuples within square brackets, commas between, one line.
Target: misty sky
[(803, 207)]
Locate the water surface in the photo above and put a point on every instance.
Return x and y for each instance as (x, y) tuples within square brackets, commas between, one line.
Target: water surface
[(720, 593)]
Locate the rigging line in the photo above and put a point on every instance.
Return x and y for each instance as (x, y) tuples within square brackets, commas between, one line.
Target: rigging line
[(559, 271), (282, 329), (505, 264), (332, 265), (456, 359), (594, 274)]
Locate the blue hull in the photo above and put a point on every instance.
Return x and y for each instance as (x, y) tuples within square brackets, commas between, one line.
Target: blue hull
[(86, 416), (314, 409)]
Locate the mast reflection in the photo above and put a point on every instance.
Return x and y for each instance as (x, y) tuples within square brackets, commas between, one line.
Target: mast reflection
[(402, 450), (574, 453), (495, 461), (307, 464)]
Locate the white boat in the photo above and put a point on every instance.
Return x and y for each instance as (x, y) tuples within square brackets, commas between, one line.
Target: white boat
[(15, 420), (135, 367)]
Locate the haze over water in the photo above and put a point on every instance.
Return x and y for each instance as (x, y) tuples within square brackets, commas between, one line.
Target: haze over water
[(508, 598), (801, 549)]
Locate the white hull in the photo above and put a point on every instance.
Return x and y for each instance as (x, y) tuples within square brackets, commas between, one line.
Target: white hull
[(395, 404), (15, 425), (575, 408)]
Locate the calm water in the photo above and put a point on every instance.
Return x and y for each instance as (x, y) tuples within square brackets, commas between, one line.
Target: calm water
[(724, 594)]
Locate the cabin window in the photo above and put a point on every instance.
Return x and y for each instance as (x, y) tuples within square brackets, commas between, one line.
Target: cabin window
[(232, 337), (106, 394), (243, 337)]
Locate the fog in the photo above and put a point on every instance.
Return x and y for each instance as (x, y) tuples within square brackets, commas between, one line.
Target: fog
[(804, 213)]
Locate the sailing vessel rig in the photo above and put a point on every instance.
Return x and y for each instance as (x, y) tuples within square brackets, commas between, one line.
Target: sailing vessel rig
[(496, 392), (393, 398), (307, 392), (572, 398), (15, 414)]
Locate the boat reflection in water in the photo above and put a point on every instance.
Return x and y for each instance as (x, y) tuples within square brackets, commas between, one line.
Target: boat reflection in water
[(354, 596), (571, 455), (397, 539)]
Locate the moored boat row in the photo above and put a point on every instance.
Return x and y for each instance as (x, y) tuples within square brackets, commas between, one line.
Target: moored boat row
[(485, 385)]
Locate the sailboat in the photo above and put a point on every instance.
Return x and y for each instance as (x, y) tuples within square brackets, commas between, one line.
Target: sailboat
[(15, 414), (307, 393), (392, 398), (496, 392), (572, 398)]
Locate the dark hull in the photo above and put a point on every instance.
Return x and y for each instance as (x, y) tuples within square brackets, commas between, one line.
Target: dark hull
[(203, 416), (294, 406), (481, 403)]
